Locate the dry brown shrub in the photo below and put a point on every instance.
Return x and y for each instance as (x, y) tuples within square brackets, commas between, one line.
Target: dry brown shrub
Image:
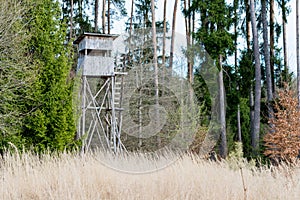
[(283, 140)]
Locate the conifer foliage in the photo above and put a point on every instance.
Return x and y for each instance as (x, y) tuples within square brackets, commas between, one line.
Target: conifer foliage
[(51, 123), (283, 140)]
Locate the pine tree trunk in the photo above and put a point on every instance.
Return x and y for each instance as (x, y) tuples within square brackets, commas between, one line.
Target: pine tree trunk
[(164, 34), (256, 122), (96, 14), (285, 58), (154, 45), (164, 44), (155, 66), (236, 68), (223, 146), (267, 58), (239, 123), (108, 16), (80, 14), (193, 26), (272, 46), (251, 95), (173, 35), (71, 19), (235, 33), (131, 18), (188, 40), (251, 102), (297, 51), (248, 26), (103, 16), (130, 31)]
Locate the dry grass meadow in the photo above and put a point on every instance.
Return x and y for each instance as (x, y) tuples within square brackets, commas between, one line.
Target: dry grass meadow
[(91, 176)]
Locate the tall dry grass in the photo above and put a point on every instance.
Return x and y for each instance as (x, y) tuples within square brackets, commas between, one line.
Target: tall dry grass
[(71, 176)]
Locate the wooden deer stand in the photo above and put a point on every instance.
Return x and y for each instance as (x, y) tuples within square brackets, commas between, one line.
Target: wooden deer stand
[(100, 122)]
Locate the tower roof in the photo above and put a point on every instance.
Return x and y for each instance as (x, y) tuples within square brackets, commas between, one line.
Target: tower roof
[(96, 35)]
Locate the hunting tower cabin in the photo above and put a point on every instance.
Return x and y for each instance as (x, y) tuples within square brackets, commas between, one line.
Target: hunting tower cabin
[(95, 54)]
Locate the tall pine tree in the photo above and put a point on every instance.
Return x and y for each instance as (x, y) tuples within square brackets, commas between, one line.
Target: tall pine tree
[(218, 42)]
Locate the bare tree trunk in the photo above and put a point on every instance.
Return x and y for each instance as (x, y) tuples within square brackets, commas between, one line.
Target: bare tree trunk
[(164, 45), (108, 16), (223, 146), (272, 46), (154, 43), (284, 39), (173, 35), (140, 120), (164, 34), (251, 102), (96, 14), (193, 26), (235, 33), (298, 53), (256, 124), (131, 18), (188, 40), (236, 69), (267, 58), (251, 95), (186, 23), (155, 66), (248, 26), (130, 28), (189, 16), (71, 19), (103, 16), (239, 124)]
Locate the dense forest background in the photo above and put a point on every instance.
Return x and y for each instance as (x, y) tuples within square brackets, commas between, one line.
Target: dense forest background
[(259, 108)]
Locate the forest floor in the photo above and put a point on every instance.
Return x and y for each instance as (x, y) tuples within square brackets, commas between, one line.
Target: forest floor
[(137, 176)]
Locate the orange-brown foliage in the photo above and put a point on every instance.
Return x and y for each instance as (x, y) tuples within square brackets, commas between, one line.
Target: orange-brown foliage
[(283, 140)]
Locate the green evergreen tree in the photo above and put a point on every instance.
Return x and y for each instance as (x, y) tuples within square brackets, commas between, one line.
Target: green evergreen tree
[(51, 123), (214, 35), (246, 79)]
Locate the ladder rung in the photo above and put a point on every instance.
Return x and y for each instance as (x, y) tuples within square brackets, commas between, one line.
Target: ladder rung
[(121, 73)]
